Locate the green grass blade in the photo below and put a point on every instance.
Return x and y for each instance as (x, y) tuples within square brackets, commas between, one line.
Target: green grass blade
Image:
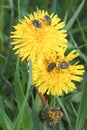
[(65, 112), (82, 112), (35, 116), (1, 25), (54, 6), (61, 126), (30, 78), (7, 62), (4, 118), (74, 17), (82, 55), (18, 86), (2, 56), (27, 118), (18, 121), (82, 32), (19, 8)]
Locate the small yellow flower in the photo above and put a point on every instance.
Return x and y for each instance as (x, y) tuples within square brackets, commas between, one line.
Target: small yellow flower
[(38, 35), (55, 75)]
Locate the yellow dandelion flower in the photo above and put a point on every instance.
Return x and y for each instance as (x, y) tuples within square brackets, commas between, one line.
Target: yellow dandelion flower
[(55, 75), (38, 35)]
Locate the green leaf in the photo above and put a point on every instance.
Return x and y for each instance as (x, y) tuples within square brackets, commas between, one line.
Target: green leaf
[(7, 62), (54, 6), (35, 116), (4, 118), (82, 55), (27, 118), (75, 15), (59, 126), (82, 111), (65, 111), (2, 56)]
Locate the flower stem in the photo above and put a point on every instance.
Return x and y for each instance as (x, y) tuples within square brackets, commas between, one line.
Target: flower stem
[(43, 99)]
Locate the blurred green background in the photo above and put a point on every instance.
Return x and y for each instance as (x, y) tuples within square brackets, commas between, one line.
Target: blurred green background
[(14, 113)]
